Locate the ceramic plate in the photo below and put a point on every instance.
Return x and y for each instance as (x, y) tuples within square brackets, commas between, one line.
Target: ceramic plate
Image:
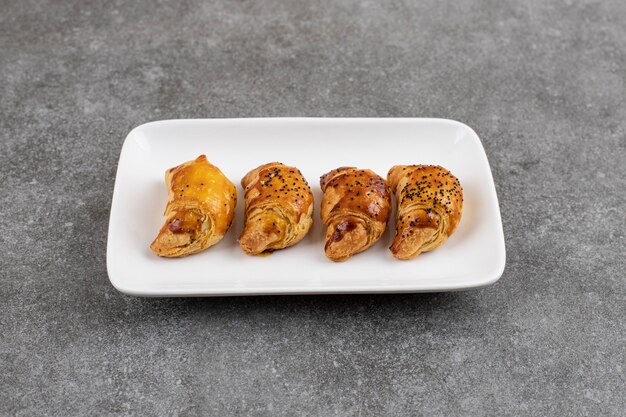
[(474, 256)]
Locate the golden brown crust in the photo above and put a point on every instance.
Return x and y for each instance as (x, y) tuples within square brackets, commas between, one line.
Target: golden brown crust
[(279, 208), (200, 208), (430, 203), (355, 208)]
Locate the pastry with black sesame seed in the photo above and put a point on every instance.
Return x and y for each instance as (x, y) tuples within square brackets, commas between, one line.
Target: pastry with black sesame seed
[(279, 208), (430, 203), (200, 209), (355, 209)]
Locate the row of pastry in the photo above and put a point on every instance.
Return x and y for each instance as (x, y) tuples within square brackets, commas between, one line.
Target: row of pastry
[(355, 209)]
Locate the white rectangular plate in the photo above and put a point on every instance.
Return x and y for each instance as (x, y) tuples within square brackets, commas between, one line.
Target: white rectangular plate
[(474, 256)]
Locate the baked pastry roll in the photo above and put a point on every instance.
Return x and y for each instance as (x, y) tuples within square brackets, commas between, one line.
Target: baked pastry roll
[(355, 209), (430, 202), (279, 208), (200, 208)]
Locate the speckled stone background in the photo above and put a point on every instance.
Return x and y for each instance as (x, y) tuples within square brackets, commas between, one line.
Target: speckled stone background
[(543, 84)]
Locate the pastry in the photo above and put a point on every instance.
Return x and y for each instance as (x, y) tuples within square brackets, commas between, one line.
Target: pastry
[(430, 202), (200, 209), (279, 208), (355, 209)]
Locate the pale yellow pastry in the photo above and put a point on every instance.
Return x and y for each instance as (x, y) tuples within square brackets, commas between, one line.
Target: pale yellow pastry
[(200, 208)]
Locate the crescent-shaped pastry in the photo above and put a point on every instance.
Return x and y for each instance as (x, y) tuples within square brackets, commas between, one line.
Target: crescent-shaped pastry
[(355, 209), (200, 208), (279, 208), (430, 202)]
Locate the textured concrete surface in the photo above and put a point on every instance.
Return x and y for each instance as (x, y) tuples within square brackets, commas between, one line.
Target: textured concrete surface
[(543, 84)]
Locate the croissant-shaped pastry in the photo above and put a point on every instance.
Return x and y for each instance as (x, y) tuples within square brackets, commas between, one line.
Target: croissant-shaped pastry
[(430, 202), (279, 208), (200, 208), (355, 210)]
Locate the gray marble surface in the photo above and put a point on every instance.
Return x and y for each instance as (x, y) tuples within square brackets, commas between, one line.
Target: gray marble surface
[(544, 85)]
